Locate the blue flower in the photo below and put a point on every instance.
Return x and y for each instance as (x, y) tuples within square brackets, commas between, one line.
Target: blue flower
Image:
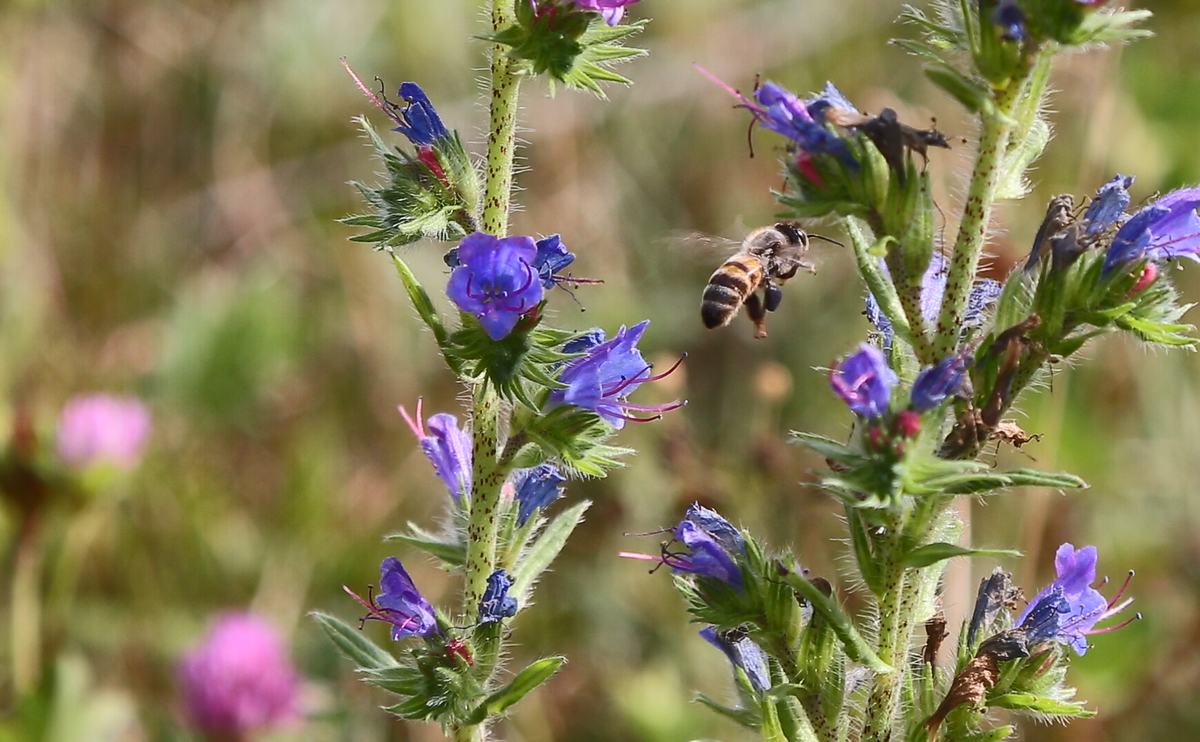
[(496, 603), (1168, 228), (495, 281), (602, 380), (399, 603), (933, 289), (713, 544), (744, 653), (1068, 609), (584, 342), (718, 527), (536, 489), (448, 449), (552, 256), (1011, 20), (1108, 205), (418, 120), (785, 113), (935, 384), (864, 382)]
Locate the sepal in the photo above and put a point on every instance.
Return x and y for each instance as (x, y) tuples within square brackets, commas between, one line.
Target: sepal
[(518, 365), (578, 438), (432, 194), (568, 44)]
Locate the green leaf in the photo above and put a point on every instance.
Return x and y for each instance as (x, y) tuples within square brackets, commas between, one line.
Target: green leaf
[(421, 301), (354, 644), (879, 285), (520, 686), (992, 735), (401, 680), (577, 437), (600, 50), (749, 718), (975, 482), (543, 552), (450, 551), (864, 556), (967, 92), (930, 554), (1026, 149), (1040, 705), (829, 448), (855, 645)]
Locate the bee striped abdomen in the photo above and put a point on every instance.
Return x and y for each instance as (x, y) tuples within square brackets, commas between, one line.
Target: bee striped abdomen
[(728, 288)]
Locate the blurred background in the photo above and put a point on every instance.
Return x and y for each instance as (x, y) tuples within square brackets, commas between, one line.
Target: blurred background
[(171, 175)]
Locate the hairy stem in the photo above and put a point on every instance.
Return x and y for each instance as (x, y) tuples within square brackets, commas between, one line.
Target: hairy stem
[(502, 131), (488, 477), (995, 129), (893, 643), (470, 734)]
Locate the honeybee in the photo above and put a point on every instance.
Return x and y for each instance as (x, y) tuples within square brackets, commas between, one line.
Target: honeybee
[(769, 256)]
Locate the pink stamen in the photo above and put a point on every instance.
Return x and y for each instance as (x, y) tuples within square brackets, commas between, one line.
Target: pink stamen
[(1121, 592), (669, 371), (735, 93), (625, 383), (1154, 245), (655, 408), (633, 419), (1123, 624), (367, 92), (418, 426)]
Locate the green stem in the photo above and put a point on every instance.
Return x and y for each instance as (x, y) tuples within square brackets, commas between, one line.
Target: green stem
[(502, 131), (995, 128), (488, 477), (26, 609), (470, 734), (893, 643)]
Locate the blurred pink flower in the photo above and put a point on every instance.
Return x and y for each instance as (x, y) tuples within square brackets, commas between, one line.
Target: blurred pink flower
[(239, 681), (103, 428)]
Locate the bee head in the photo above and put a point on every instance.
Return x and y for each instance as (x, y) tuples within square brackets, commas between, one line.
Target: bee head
[(794, 234)]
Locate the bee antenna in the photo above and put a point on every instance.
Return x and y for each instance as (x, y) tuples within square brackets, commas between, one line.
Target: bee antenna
[(827, 239)]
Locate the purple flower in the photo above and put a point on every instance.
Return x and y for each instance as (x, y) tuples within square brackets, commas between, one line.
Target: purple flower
[(496, 281), (448, 449), (864, 382), (417, 120), (239, 681), (933, 289), (536, 489), (612, 370), (584, 342), (1168, 228), (743, 652), (496, 604), (611, 10), (1067, 609), (711, 553), (935, 384), (398, 603), (103, 429)]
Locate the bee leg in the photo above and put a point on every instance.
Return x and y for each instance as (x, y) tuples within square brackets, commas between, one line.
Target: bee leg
[(758, 315), (774, 295)]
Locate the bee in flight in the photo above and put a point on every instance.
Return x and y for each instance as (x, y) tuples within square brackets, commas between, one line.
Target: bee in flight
[(769, 256)]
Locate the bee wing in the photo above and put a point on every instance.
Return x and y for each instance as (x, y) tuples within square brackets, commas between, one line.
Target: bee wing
[(701, 246)]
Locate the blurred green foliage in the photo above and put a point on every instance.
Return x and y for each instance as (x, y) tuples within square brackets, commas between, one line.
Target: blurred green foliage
[(171, 175)]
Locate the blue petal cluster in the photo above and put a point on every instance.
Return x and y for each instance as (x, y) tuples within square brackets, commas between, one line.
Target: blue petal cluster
[(448, 448), (785, 113), (1108, 205), (744, 653), (1168, 228), (400, 603), (1011, 20), (552, 256), (864, 382), (708, 557), (1066, 610), (495, 281), (935, 384), (536, 489), (602, 380), (712, 523), (496, 604), (418, 120)]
